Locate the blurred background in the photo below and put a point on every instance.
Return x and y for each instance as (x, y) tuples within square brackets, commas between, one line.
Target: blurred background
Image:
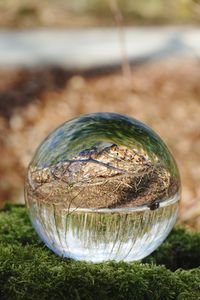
[(49, 13), (56, 63)]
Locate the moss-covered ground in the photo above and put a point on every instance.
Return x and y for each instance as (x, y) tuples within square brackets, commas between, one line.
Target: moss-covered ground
[(28, 270)]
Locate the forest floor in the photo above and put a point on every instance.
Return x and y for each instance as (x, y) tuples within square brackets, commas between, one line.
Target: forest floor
[(163, 94)]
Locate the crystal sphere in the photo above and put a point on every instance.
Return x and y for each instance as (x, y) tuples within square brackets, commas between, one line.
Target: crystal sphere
[(103, 186)]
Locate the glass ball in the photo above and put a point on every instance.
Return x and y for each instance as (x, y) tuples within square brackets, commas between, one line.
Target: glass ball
[(103, 186)]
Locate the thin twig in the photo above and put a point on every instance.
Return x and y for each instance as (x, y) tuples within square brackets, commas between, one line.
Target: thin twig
[(126, 69)]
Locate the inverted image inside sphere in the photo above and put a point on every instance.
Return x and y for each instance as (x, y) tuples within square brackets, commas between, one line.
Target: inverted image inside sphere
[(99, 176)]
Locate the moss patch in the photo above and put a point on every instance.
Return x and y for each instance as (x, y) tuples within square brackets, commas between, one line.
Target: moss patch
[(28, 270)]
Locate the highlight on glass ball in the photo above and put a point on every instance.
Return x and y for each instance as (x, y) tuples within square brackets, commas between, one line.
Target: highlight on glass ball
[(103, 186)]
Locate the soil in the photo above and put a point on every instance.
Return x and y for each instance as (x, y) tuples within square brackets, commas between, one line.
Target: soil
[(115, 177), (164, 95)]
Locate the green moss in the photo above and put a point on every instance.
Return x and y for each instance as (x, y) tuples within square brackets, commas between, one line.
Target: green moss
[(28, 270), (180, 250)]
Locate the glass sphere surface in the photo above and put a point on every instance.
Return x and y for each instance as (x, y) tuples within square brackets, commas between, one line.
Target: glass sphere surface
[(103, 186)]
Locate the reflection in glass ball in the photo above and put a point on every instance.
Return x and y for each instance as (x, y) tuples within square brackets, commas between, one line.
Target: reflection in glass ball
[(103, 186)]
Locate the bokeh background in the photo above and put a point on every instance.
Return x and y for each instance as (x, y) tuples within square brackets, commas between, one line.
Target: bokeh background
[(65, 13), (163, 93)]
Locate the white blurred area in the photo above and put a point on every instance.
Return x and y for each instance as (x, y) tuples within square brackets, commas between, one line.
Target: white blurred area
[(95, 47)]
